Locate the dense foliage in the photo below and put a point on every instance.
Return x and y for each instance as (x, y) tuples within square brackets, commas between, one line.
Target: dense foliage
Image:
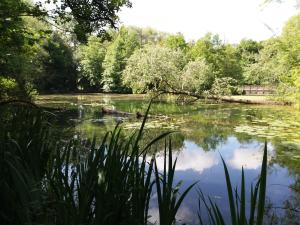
[(35, 44), (75, 55)]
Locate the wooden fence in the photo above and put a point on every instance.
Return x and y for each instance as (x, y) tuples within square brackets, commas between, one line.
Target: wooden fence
[(258, 90)]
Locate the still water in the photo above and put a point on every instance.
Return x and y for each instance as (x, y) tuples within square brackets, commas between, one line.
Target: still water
[(205, 131)]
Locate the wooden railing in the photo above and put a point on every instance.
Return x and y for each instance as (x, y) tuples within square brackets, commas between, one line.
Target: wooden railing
[(258, 90)]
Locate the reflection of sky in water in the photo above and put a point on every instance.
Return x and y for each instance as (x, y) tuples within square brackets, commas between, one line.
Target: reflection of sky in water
[(194, 164), (192, 158), (208, 125)]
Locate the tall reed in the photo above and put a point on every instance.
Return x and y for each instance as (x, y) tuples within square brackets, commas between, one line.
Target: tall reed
[(237, 201), (46, 181), (169, 199)]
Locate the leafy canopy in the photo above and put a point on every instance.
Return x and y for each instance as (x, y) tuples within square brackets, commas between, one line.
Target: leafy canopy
[(154, 69)]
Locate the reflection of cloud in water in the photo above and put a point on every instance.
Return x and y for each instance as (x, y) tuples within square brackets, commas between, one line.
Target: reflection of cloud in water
[(154, 215), (192, 158), (184, 214), (246, 157)]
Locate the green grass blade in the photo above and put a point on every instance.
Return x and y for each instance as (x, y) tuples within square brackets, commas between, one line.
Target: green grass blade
[(262, 189), (155, 140), (230, 195), (140, 133), (183, 195), (243, 201), (253, 203)]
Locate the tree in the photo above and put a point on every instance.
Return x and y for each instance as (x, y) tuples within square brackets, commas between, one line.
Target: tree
[(229, 63), (116, 59), (19, 44), (224, 86), (176, 42), (154, 69), (248, 50), (198, 77), (91, 57), (289, 42), (60, 68), (204, 48), (222, 57), (267, 68), (289, 56), (150, 36), (89, 16)]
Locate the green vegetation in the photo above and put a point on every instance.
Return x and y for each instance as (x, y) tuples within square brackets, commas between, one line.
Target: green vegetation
[(168, 204), (48, 182), (71, 49), (237, 202), (52, 174), (37, 43)]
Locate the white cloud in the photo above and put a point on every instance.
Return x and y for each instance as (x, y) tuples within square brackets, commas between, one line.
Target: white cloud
[(192, 158), (184, 214), (247, 158)]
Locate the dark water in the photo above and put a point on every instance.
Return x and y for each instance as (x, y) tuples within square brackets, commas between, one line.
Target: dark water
[(206, 131)]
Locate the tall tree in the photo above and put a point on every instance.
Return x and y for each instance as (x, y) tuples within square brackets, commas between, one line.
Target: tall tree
[(289, 53), (267, 69), (89, 16), (248, 50), (222, 57), (176, 42), (197, 77), (154, 69), (91, 57), (60, 68), (19, 44), (116, 58)]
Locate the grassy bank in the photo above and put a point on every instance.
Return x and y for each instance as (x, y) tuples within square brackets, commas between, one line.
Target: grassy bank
[(253, 99), (243, 99)]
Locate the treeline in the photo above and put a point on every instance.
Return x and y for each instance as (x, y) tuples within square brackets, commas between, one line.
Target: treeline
[(140, 60), (38, 57)]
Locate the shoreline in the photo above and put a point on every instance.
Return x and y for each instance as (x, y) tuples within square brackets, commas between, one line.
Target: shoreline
[(241, 99), (253, 99)]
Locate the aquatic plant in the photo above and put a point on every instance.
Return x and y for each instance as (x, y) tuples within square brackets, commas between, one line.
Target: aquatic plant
[(169, 199), (46, 181), (237, 202)]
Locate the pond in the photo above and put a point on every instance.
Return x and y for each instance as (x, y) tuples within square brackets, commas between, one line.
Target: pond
[(205, 131)]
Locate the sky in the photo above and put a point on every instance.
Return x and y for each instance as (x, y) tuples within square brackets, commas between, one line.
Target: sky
[(233, 20)]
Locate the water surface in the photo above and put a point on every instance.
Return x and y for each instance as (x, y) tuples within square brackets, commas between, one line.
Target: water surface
[(205, 131)]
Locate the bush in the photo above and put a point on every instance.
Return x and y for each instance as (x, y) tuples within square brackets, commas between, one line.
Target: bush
[(224, 87), (8, 87)]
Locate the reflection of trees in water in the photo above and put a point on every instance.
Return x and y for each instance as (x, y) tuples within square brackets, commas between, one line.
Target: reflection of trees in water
[(176, 138), (206, 137), (292, 210), (287, 214), (212, 127), (87, 122), (208, 125), (287, 156)]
